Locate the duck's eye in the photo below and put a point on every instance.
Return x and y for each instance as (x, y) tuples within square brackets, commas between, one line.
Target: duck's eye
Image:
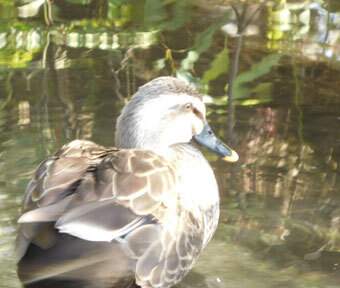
[(188, 106)]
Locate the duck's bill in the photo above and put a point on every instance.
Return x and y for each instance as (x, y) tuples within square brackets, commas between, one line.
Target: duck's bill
[(208, 139)]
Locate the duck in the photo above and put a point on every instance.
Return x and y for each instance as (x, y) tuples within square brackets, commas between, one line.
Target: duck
[(135, 215)]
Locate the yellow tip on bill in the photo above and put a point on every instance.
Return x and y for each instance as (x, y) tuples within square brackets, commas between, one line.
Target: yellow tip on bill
[(232, 158)]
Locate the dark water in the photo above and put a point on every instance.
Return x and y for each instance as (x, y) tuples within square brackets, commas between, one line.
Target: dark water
[(67, 68)]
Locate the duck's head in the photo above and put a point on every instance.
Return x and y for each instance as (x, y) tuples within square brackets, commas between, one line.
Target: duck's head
[(164, 112)]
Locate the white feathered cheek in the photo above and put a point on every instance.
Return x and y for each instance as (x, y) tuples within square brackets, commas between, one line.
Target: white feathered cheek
[(197, 125)]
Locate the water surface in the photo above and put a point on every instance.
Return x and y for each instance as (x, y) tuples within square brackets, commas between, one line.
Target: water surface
[(67, 68)]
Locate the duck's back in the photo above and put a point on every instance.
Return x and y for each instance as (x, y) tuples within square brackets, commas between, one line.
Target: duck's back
[(106, 217)]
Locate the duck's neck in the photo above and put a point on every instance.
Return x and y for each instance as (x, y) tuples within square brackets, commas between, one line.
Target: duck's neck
[(198, 179), (143, 140)]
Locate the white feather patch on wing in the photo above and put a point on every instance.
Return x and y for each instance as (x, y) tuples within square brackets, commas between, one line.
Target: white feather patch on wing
[(90, 232)]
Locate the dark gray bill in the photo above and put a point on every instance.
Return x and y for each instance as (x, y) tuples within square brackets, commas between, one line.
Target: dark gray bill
[(208, 139)]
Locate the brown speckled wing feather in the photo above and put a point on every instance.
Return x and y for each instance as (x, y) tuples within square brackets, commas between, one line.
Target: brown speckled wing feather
[(53, 186), (60, 175)]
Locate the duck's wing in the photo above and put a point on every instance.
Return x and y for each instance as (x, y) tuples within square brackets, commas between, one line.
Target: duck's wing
[(83, 179), (130, 196)]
